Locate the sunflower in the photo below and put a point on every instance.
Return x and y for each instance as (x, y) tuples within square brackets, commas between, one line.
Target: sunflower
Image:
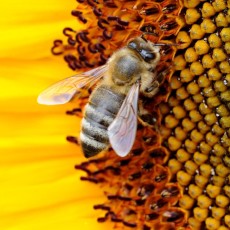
[(177, 175), (178, 178)]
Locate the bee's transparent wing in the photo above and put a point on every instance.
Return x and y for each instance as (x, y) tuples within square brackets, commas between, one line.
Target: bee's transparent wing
[(63, 91), (122, 131)]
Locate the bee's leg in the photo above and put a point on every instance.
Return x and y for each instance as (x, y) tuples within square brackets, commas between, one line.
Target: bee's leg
[(144, 117), (153, 88)]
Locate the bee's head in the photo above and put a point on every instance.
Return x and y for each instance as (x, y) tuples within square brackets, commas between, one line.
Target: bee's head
[(148, 51)]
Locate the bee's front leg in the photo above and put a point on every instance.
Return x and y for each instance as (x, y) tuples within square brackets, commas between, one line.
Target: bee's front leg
[(153, 88)]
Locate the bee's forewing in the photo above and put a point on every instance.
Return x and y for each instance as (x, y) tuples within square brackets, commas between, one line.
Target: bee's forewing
[(122, 131), (63, 91)]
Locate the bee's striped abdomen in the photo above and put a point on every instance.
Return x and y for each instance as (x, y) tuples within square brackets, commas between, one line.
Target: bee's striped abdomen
[(99, 114)]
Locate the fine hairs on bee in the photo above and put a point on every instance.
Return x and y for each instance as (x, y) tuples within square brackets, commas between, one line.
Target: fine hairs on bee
[(110, 117)]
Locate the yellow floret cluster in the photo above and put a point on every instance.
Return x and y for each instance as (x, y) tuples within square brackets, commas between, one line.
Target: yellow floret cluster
[(196, 124)]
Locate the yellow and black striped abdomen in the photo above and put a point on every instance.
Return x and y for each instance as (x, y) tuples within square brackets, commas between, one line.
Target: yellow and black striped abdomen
[(101, 110)]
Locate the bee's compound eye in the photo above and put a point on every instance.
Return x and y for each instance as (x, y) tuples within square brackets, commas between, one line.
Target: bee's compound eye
[(132, 45), (147, 56)]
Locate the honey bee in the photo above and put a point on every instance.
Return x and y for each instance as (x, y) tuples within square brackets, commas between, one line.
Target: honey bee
[(111, 115)]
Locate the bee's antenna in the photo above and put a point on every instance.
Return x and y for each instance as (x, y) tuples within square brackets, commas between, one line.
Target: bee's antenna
[(166, 44)]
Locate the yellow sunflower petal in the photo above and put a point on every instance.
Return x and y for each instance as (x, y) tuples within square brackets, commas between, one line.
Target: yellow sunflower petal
[(28, 30), (39, 186)]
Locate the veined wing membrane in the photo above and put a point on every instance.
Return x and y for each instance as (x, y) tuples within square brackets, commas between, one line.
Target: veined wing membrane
[(122, 131), (64, 90)]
